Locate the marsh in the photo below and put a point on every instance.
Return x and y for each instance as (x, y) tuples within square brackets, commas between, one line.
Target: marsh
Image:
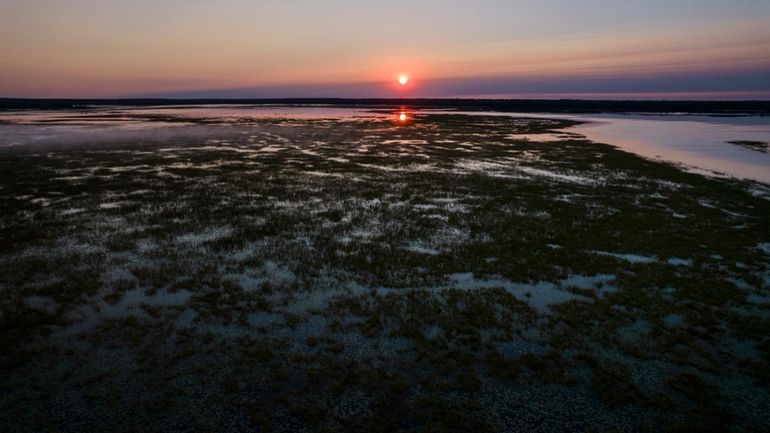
[(321, 268)]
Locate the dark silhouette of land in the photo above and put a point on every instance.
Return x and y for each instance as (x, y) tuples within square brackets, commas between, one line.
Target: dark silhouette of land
[(509, 105)]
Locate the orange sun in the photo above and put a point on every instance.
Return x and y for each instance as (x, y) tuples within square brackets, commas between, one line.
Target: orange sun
[(402, 116), (403, 79)]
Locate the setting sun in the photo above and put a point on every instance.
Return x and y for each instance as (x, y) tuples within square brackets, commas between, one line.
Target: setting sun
[(420, 215)]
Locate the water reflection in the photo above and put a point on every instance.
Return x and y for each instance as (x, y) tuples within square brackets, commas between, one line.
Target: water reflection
[(403, 115), (699, 143), (153, 116)]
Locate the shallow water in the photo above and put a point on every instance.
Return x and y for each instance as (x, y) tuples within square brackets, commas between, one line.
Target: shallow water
[(122, 116), (206, 268), (697, 142)]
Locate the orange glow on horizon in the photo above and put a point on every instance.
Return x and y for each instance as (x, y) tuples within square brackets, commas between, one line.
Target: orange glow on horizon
[(416, 64)]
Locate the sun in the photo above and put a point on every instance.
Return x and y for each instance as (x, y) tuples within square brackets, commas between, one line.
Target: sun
[(403, 79), (402, 116)]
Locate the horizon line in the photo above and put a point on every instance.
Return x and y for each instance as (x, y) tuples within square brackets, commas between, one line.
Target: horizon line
[(624, 97)]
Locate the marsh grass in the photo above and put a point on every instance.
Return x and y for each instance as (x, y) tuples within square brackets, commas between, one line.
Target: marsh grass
[(302, 275)]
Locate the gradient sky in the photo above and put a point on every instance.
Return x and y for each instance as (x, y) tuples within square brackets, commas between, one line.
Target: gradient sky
[(691, 49)]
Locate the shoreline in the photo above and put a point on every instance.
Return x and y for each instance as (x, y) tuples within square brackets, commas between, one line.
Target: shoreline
[(748, 107)]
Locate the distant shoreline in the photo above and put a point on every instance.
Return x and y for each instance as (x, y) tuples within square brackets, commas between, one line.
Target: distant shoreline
[(503, 105)]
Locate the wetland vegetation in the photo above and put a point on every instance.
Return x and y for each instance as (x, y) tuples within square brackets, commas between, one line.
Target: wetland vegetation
[(759, 146), (447, 273)]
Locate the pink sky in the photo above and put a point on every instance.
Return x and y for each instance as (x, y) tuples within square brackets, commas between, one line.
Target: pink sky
[(89, 48)]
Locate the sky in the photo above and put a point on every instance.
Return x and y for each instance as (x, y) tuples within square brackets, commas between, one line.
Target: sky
[(605, 49)]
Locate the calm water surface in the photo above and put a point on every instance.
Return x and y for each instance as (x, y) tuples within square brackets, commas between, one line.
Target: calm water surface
[(698, 143)]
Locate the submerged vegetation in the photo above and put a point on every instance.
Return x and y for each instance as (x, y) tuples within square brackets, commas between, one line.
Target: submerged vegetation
[(451, 273), (759, 146)]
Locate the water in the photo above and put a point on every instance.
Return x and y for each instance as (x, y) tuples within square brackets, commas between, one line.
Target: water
[(112, 124), (698, 143), (126, 116)]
